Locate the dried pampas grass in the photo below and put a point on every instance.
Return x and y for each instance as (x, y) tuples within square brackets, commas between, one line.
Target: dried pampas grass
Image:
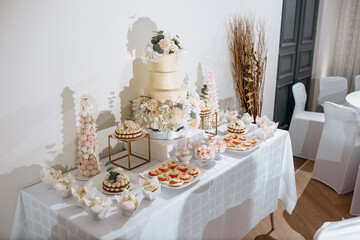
[(248, 48)]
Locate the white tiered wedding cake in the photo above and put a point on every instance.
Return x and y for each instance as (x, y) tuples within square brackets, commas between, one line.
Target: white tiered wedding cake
[(164, 80)]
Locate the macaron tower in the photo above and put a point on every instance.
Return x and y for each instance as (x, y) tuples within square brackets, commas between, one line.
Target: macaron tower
[(88, 161)]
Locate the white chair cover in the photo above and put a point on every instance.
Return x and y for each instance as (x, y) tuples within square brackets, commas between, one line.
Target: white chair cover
[(357, 83), (348, 229), (355, 203), (305, 127), (337, 159), (332, 89)]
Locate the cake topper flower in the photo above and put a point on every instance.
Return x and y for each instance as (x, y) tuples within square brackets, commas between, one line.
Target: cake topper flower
[(161, 44)]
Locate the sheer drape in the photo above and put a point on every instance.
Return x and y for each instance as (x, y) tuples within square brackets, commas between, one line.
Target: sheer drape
[(346, 60)]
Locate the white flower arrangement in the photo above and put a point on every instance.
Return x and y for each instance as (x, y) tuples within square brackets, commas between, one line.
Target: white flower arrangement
[(169, 116), (161, 44)]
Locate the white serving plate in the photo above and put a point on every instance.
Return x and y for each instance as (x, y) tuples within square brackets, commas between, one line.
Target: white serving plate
[(201, 172), (249, 130), (250, 149)]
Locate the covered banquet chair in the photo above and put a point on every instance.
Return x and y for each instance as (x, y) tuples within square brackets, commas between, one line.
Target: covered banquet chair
[(305, 127), (348, 229), (332, 89), (338, 156), (355, 203), (357, 83)]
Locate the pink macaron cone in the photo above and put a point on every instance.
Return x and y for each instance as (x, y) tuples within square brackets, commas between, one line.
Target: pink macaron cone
[(88, 119), (86, 162), (90, 167), (93, 162), (87, 131), (87, 144)]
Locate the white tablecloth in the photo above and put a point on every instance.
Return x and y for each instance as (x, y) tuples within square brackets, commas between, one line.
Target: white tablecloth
[(228, 201)]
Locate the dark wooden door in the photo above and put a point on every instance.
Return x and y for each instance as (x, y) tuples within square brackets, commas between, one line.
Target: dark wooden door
[(297, 41)]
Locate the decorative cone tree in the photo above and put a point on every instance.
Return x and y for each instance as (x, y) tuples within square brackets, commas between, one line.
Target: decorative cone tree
[(88, 161)]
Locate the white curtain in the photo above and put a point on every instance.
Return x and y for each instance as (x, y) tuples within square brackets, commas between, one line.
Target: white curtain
[(346, 60)]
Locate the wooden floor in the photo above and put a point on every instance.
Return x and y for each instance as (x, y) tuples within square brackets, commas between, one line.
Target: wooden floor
[(317, 203)]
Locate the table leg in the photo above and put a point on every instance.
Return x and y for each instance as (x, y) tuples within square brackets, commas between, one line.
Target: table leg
[(272, 221)]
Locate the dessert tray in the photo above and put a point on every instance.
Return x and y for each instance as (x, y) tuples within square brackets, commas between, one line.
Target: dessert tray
[(98, 179), (201, 171), (238, 143)]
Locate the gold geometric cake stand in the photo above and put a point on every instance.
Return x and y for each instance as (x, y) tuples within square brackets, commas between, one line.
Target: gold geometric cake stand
[(129, 154), (204, 117)]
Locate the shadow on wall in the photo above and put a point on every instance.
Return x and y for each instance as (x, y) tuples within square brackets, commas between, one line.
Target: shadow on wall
[(64, 159), (12, 191), (138, 36)]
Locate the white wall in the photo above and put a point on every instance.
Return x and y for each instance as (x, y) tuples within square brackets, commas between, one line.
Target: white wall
[(324, 45), (52, 52)]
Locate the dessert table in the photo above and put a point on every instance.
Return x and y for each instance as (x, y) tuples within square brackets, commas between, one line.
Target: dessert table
[(226, 203)]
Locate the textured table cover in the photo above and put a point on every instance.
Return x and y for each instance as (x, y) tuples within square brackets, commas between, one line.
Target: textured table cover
[(230, 199)]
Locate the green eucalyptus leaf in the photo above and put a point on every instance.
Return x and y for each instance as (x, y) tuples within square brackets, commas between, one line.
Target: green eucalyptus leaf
[(160, 32), (160, 37), (156, 47), (154, 41), (107, 163), (155, 130), (109, 169), (193, 115), (160, 51), (178, 105), (179, 128)]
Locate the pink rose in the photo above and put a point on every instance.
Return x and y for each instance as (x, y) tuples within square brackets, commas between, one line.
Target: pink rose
[(177, 114), (88, 119), (153, 105), (119, 178), (164, 44)]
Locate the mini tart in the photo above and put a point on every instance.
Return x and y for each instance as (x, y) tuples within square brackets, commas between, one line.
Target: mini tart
[(231, 145), (172, 165), (194, 172), (236, 141), (183, 168), (163, 177), (246, 144), (164, 168), (118, 186), (231, 130), (242, 138), (234, 136), (227, 139), (175, 182), (154, 172), (185, 177), (253, 141), (174, 174)]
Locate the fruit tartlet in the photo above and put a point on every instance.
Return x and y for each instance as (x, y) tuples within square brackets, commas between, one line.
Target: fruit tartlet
[(175, 182), (236, 141), (242, 138), (174, 174), (172, 165), (183, 168), (253, 141), (164, 168), (163, 178), (154, 172), (185, 177), (194, 172)]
